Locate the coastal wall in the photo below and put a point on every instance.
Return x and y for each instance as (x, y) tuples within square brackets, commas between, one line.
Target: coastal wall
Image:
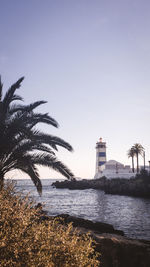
[(137, 187)]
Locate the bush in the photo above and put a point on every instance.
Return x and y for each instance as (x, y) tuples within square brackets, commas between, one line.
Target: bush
[(144, 176), (27, 241)]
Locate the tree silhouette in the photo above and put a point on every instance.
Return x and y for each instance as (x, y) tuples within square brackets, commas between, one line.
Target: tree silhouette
[(22, 145), (131, 154), (138, 150)]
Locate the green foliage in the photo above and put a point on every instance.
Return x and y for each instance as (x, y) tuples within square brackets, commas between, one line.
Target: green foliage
[(22, 146), (144, 176), (26, 240)]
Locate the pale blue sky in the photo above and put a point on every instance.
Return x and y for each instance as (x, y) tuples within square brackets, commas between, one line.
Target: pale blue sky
[(91, 61)]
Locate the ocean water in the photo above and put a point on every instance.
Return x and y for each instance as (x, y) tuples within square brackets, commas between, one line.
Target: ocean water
[(130, 214)]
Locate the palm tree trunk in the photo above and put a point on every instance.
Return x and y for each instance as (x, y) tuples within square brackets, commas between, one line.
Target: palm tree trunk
[(133, 164), (137, 155), (144, 159)]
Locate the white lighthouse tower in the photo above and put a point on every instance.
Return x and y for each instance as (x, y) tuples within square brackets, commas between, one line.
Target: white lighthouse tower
[(100, 158)]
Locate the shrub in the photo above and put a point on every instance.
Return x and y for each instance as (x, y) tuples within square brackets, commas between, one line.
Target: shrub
[(144, 175), (27, 241)]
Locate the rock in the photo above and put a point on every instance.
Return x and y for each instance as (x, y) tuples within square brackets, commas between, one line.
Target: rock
[(98, 227), (115, 249), (137, 187), (118, 251)]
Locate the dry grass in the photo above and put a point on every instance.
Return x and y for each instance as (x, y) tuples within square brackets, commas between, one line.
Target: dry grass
[(25, 241)]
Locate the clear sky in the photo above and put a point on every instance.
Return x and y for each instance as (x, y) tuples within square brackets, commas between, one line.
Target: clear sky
[(90, 59)]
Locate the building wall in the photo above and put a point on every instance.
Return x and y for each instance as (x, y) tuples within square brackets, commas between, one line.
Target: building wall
[(112, 174), (114, 169)]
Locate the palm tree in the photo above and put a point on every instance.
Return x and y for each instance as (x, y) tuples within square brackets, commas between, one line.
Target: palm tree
[(138, 150), (144, 159), (131, 154), (22, 146)]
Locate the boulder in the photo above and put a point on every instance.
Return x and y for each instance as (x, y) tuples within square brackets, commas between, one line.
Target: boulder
[(119, 251), (97, 227)]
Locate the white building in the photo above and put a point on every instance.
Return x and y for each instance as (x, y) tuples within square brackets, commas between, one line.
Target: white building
[(111, 168)]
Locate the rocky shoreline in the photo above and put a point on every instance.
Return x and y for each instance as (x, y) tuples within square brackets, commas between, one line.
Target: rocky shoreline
[(137, 187), (116, 250)]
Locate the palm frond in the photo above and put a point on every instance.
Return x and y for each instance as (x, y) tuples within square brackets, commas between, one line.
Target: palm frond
[(53, 141), (138, 148), (25, 164), (10, 93), (31, 171), (14, 108), (52, 162), (34, 105), (42, 118), (131, 152), (31, 119), (22, 146), (26, 108), (16, 98)]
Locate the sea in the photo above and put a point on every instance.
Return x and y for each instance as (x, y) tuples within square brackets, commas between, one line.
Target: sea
[(130, 214)]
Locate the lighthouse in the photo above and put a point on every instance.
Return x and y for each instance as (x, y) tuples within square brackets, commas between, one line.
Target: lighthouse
[(100, 157), (111, 168)]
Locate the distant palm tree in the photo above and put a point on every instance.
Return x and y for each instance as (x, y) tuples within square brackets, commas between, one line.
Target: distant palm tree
[(131, 154), (138, 150), (144, 159), (22, 146)]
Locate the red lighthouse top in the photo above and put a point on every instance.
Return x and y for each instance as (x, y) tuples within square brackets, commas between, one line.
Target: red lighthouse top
[(100, 143)]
